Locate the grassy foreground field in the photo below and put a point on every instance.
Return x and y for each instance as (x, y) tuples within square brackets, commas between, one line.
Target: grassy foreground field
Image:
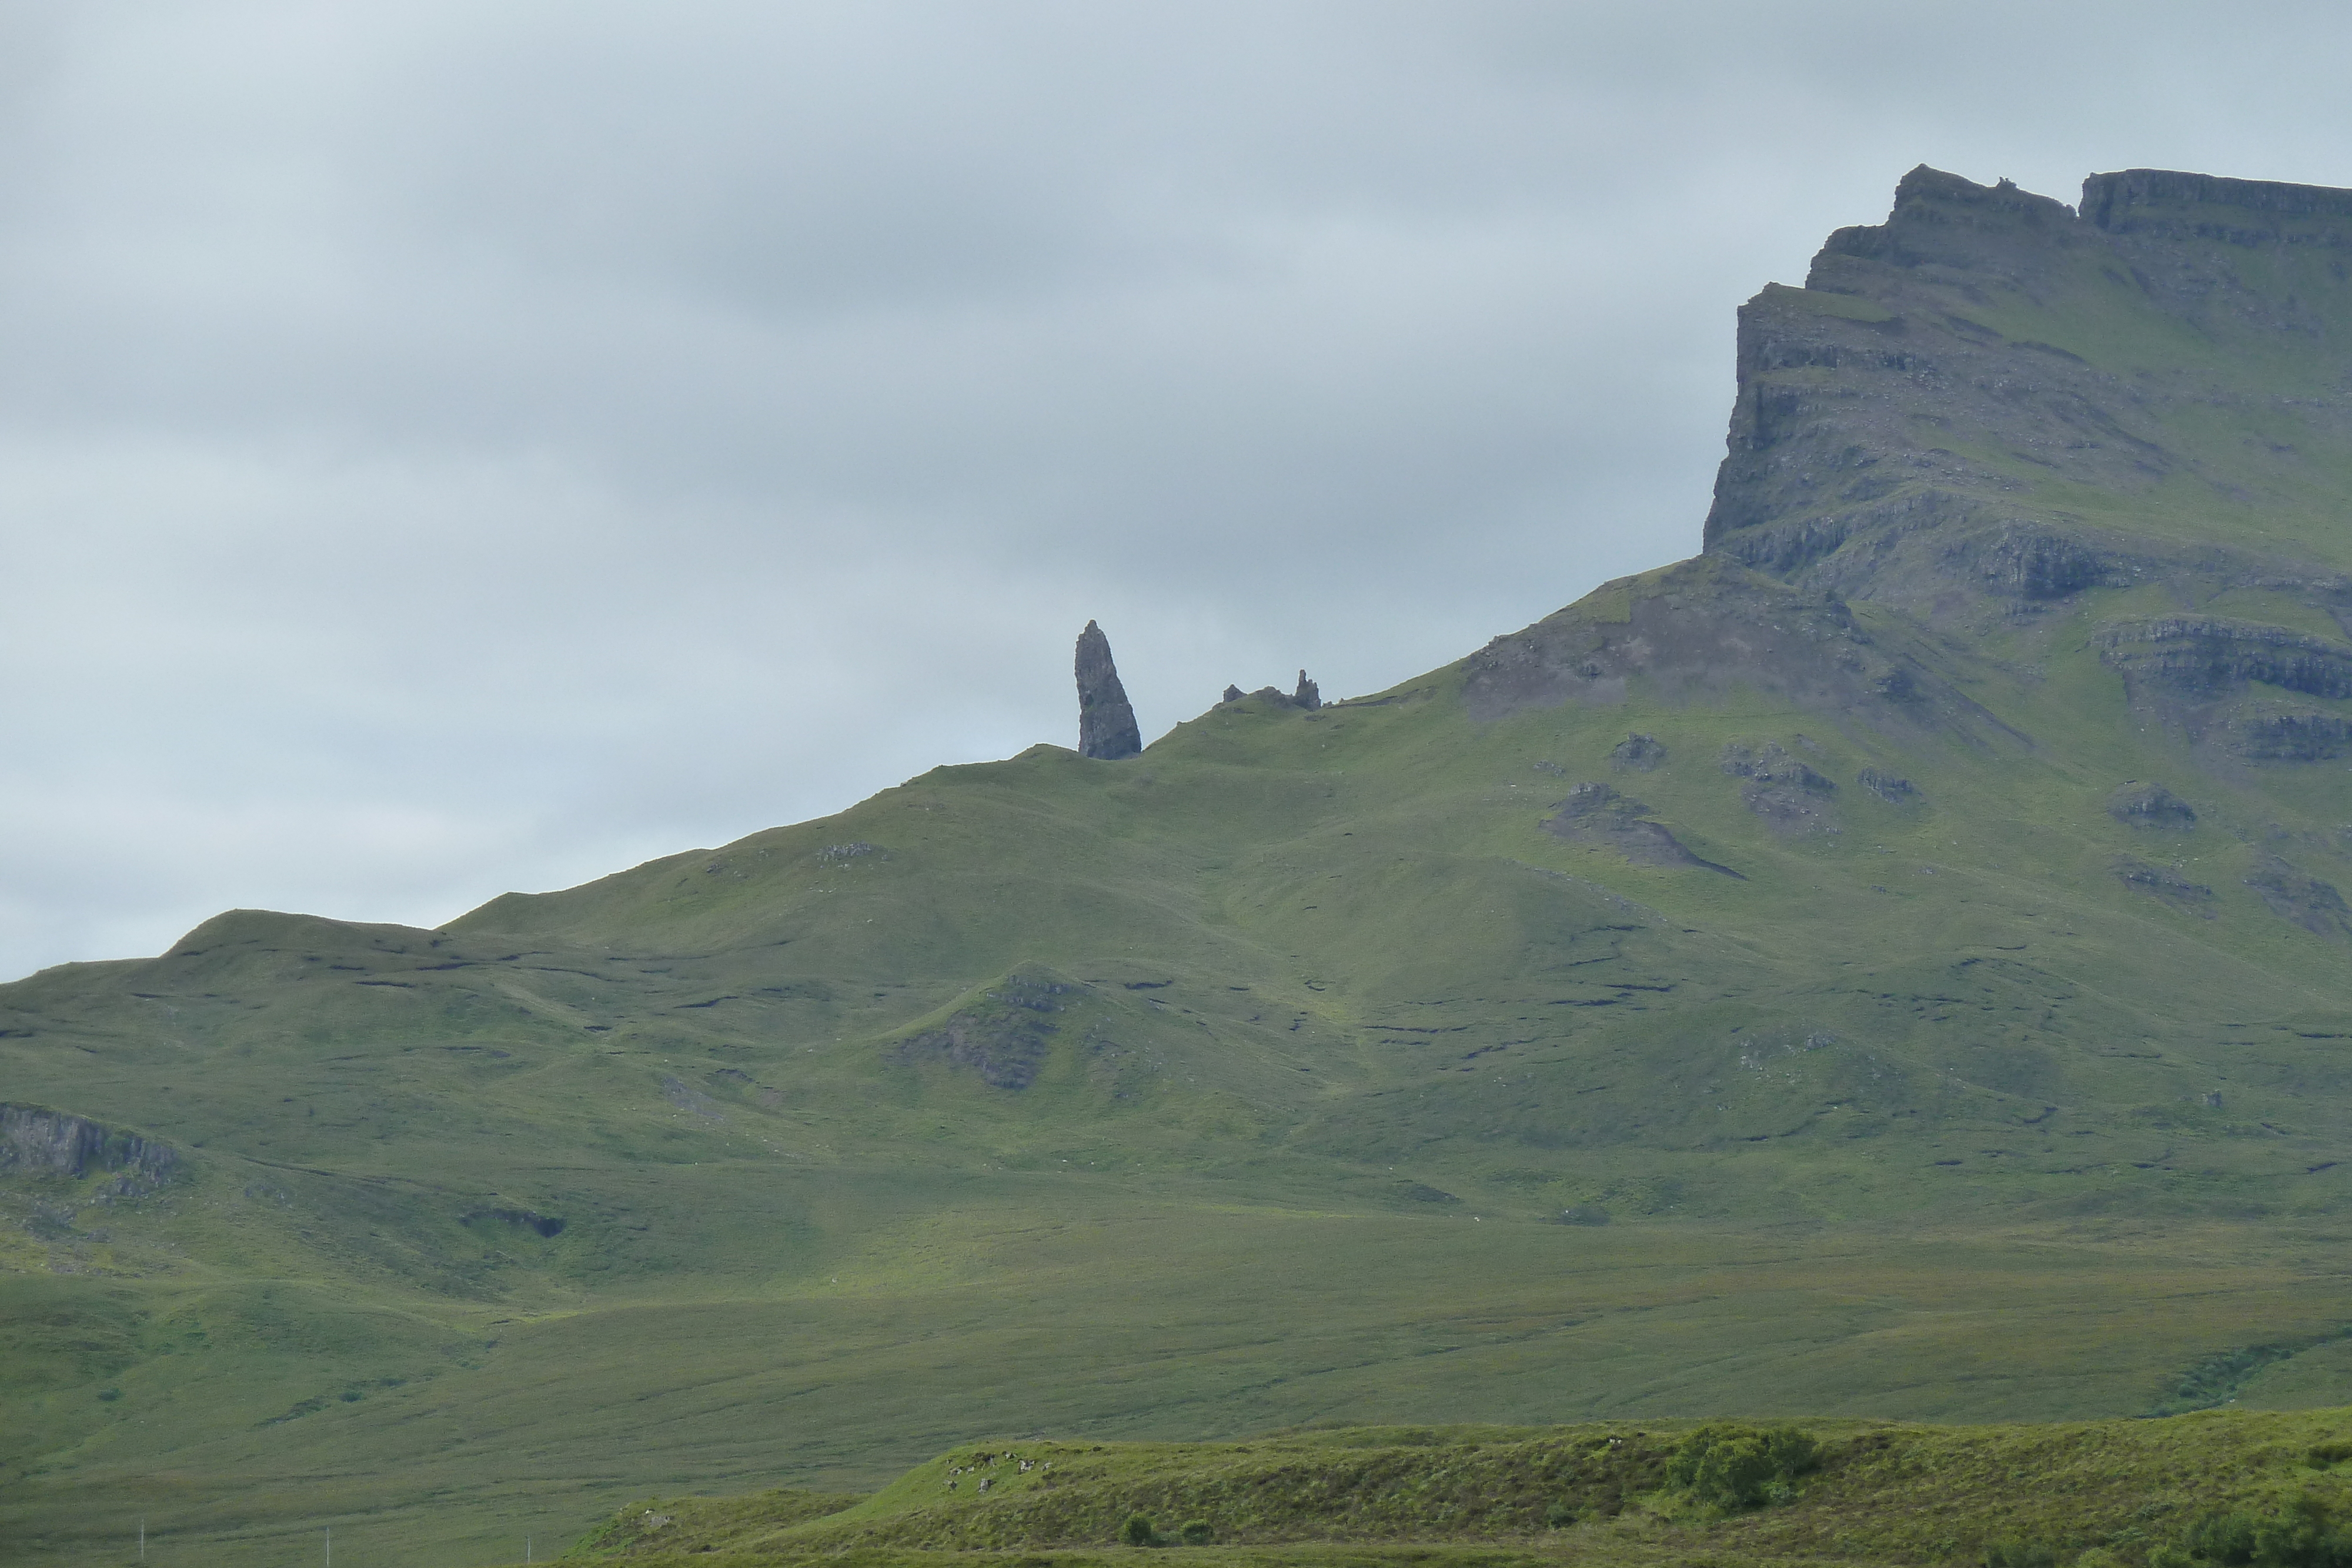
[(2097, 1493), (426, 1438)]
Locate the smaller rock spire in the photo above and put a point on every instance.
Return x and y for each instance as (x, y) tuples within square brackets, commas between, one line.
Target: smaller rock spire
[(1307, 696), (1106, 721)]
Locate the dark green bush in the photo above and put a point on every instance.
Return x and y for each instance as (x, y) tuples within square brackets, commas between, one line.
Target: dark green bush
[(1196, 1533), (1741, 1466), (2224, 1538), (2302, 1535), (1561, 1515), (1137, 1531), (2006, 1552)]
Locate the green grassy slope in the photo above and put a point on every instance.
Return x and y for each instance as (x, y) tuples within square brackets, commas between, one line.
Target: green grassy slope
[(1854, 1058), (1346, 1034), (1880, 1493)]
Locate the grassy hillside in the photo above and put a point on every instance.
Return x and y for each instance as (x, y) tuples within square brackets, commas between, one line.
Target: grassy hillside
[(1843, 1491), (1720, 998)]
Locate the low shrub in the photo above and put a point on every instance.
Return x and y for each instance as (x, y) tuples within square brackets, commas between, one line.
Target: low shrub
[(2301, 1535), (1196, 1533), (2006, 1552), (1741, 1466), (1137, 1531), (2223, 1538)]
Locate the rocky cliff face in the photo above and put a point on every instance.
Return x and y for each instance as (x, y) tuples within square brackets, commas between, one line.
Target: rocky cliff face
[(35, 1140), (1106, 726), (1992, 397), (1992, 407)]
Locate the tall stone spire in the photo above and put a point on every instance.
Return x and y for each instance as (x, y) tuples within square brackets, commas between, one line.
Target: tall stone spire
[(1106, 722)]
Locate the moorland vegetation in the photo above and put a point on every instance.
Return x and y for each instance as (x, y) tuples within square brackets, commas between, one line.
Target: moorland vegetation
[(1889, 968)]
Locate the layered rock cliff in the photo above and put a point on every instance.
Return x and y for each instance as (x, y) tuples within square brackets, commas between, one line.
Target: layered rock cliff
[(1992, 396)]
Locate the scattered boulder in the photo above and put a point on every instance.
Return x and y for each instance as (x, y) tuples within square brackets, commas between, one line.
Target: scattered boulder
[(1640, 753), (2313, 904), (687, 1097), (1894, 791), (2164, 882), (1790, 797), (1597, 814), (2150, 806), (1106, 727), (34, 1139)]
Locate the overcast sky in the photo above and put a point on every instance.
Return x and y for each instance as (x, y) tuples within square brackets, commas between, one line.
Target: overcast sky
[(455, 447)]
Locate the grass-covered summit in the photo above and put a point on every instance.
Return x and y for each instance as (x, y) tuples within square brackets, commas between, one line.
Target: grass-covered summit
[(1837, 979)]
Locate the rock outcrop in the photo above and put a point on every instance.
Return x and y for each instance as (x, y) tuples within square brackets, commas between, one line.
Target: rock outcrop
[(1004, 1034), (35, 1140), (1920, 424), (1891, 787), (1107, 726), (1641, 753), (2164, 882), (1790, 797), (2139, 805), (1307, 696), (1597, 814), (1704, 627), (2207, 657)]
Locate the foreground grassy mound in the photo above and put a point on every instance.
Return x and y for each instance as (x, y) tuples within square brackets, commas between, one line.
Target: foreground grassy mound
[(2097, 1493)]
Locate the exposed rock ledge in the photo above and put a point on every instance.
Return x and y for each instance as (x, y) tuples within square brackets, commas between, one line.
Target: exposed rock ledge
[(35, 1140)]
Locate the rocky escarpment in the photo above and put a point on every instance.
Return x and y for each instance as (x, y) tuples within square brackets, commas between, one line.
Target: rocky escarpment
[(1702, 629), (1107, 726), (2262, 734), (35, 1140), (2260, 693), (2205, 655), (1992, 399)]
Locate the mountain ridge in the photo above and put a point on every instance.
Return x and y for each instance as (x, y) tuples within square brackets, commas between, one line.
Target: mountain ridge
[(1769, 985)]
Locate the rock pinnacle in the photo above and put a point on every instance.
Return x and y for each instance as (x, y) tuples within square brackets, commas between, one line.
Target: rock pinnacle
[(1106, 721)]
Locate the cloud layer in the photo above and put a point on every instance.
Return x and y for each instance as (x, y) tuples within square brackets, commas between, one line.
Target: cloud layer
[(446, 448)]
